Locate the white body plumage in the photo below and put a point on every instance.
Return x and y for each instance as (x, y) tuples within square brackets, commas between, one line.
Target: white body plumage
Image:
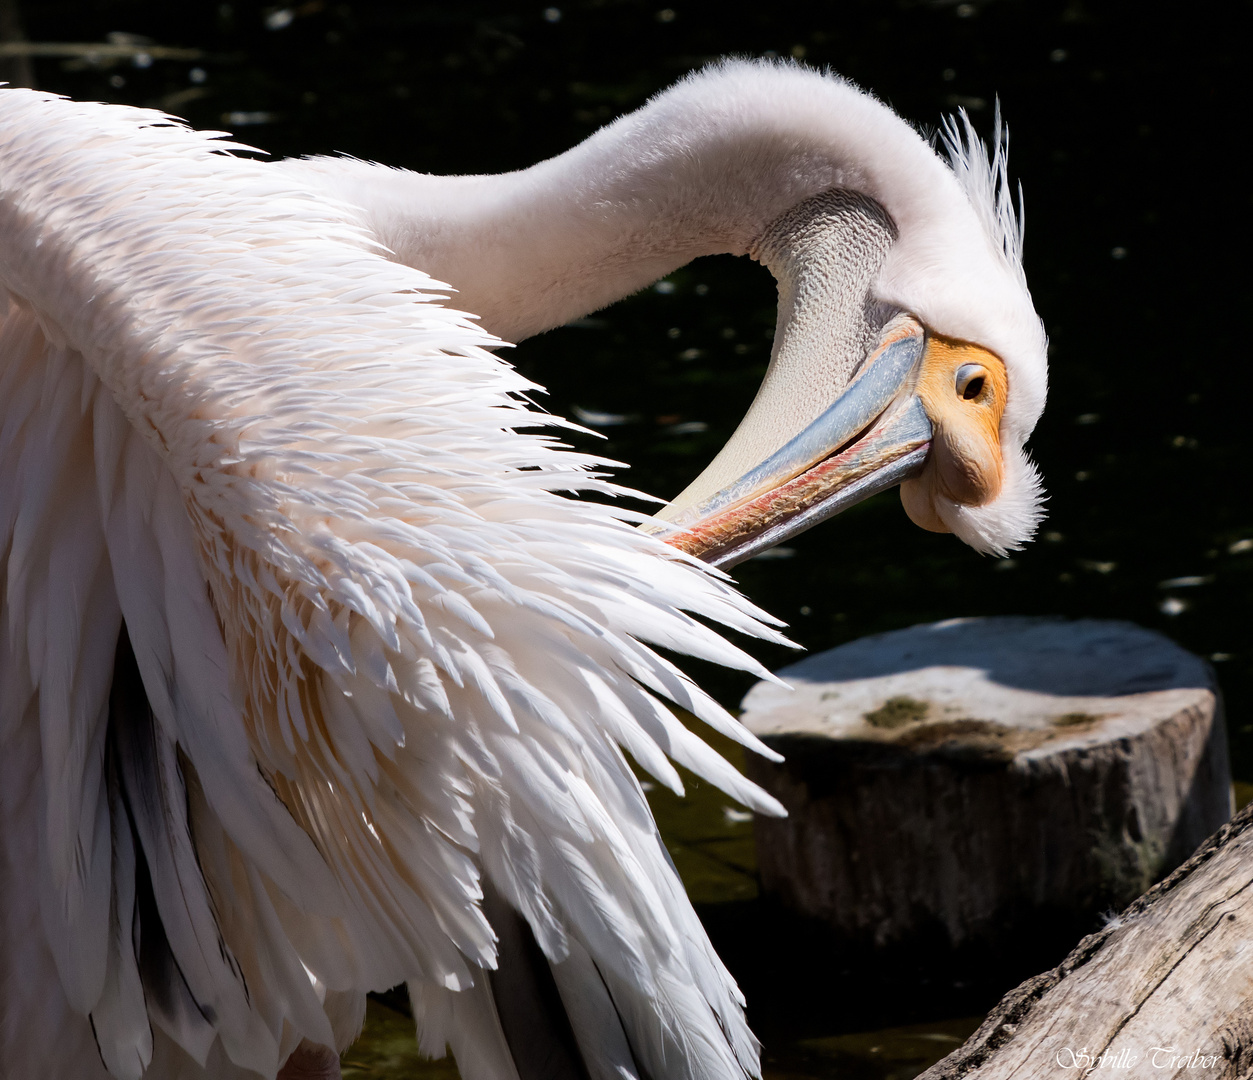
[(389, 664)]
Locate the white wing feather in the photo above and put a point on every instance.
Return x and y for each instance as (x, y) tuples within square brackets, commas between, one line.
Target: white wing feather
[(384, 655)]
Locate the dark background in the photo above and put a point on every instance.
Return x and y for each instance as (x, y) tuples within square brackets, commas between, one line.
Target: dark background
[(1127, 124)]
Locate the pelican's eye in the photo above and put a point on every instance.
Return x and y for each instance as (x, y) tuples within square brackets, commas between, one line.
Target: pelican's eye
[(970, 381)]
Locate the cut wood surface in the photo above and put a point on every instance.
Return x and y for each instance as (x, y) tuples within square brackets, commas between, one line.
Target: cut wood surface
[(1166, 990), (968, 782)]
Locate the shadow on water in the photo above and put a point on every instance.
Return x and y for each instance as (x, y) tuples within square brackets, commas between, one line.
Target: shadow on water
[(1121, 115)]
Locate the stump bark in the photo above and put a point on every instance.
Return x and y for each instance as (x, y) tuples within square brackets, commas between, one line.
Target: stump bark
[(1165, 990), (959, 785)]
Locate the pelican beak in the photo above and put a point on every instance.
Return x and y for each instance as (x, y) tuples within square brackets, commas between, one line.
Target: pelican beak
[(875, 435)]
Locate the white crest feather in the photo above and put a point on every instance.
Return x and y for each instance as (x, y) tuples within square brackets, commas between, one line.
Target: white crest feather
[(985, 179)]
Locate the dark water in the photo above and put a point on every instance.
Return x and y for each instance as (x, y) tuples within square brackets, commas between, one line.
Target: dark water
[(1125, 136)]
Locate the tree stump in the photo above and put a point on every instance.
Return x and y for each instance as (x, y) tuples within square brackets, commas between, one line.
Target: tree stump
[(1165, 990), (978, 783)]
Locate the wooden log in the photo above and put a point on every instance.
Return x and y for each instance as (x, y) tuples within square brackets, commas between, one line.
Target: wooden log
[(959, 785), (1165, 990)]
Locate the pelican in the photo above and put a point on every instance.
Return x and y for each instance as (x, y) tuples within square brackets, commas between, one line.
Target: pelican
[(314, 679)]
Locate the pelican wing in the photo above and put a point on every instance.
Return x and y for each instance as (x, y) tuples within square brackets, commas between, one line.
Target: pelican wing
[(303, 649)]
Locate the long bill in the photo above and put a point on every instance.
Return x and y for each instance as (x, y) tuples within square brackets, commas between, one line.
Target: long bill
[(875, 435)]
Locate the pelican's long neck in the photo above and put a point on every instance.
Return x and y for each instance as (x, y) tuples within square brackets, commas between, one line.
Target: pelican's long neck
[(533, 249)]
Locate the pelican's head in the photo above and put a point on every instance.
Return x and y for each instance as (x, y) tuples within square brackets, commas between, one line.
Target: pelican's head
[(907, 352)]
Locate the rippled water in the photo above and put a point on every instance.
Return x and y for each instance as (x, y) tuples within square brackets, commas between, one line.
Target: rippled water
[(1122, 135)]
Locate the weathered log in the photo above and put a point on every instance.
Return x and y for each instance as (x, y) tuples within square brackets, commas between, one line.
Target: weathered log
[(1166, 989), (959, 785)]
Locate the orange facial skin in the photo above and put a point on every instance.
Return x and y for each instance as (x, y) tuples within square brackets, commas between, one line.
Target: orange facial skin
[(963, 388)]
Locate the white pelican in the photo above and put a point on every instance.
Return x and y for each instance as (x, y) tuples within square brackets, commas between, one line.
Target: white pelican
[(312, 681)]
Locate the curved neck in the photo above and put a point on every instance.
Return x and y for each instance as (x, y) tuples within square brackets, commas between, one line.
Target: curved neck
[(530, 250)]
